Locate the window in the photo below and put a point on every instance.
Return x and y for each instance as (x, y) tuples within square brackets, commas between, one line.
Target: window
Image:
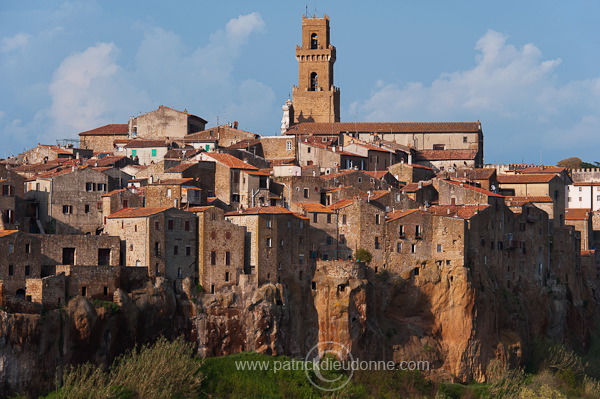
[(188, 250), (306, 193), (378, 219), (228, 235), (213, 235), (90, 186), (27, 270), (176, 250), (11, 248), (399, 247), (439, 147), (401, 231), (226, 277), (7, 190), (179, 273), (269, 243), (579, 188), (27, 248), (315, 217), (169, 193), (465, 139), (308, 150), (187, 225), (359, 179), (314, 82), (134, 153), (170, 224), (439, 248), (83, 291), (228, 258), (156, 248), (288, 145), (213, 258), (87, 208), (329, 240), (376, 242), (269, 223), (101, 187), (125, 204), (68, 256), (154, 152), (67, 209), (11, 270), (342, 239), (105, 291), (418, 231), (281, 243), (103, 256), (301, 259), (344, 220), (329, 218), (413, 248), (156, 226), (314, 41)]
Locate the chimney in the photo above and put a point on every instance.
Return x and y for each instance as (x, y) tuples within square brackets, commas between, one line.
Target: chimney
[(235, 124)]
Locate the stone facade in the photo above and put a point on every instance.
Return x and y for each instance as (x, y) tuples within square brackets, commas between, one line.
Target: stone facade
[(85, 250), (12, 196), (225, 135), (20, 260), (220, 249), (165, 123), (163, 240), (102, 138)]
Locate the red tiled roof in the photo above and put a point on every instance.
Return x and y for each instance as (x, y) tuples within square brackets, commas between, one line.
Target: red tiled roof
[(577, 213), (257, 173), (339, 174), (527, 178), (588, 252), (371, 147), (199, 208), (108, 160), (113, 192), (459, 211), (315, 207), (543, 169), (593, 183), (262, 210), (520, 201), (230, 161), (180, 168), (384, 127), (414, 187), (477, 174), (378, 174), (341, 204), (399, 214), (442, 155), (375, 195), (137, 212), (476, 189), (39, 167), (4, 233), (244, 144), (120, 129)]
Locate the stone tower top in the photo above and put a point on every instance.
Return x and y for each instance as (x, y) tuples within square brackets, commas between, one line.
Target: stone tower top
[(315, 98)]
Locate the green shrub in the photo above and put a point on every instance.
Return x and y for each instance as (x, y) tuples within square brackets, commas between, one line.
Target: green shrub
[(363, 255)]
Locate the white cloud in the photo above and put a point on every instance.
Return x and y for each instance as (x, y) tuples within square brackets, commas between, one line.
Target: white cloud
[(513, 91), (87, 89), (17, 41)]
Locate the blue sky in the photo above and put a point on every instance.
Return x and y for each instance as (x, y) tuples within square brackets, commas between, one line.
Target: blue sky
[(528, 70)]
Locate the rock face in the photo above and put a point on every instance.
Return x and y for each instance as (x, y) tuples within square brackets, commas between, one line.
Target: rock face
[(438, 316)]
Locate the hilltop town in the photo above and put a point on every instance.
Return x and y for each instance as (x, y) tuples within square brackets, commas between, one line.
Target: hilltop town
[(395, 238)]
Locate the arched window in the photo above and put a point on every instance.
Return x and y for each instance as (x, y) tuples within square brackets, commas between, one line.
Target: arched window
[(314, 82), (314, 41)]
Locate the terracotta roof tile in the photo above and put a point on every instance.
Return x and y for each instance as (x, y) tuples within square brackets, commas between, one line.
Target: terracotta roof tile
[(384, 127), (377, 174), (121, 129), (520, 201), (341, 204), (339, 174), (4, 233), (230, 161), (577, 213), (459, 211), (182, 167), (137, 212), (399, 214), (108, 160), (315, 207), (176, 182), (113, 192), (543, 169), (262, 210), (527, 178)]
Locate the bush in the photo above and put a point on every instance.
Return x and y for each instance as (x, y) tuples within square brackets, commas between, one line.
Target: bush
[(162, 370), (363, 255)]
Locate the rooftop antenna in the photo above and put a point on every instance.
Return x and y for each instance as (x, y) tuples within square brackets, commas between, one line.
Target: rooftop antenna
[(306, 11), (315, 14)]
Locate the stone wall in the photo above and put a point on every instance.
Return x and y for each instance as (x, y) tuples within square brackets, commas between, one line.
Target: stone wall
[(90, 250), (97, 282)]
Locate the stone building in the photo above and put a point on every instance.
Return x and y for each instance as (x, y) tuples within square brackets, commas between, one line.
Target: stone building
[(221, 249), (324, 230), (360, 225), (118, 199), (44, 153), (165, 123), (448, 160), (525, 185), (174, 193), (225, 135), (581, 220), (228, 177), (162, 240), (327, 157), (20, 260), (315, 98), (452, 192), (68, 201), (411, 172), (12, 197), (101, 139), (277, 243)]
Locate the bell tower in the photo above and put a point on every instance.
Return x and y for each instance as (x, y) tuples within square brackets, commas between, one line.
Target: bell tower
[(315, 98)]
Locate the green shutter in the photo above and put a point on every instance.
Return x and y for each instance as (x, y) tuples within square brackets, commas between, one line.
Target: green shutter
[(133, 153), (154, 152)]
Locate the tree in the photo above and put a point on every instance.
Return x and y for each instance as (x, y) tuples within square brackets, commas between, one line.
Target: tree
[(363, 255), (570, 163)]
